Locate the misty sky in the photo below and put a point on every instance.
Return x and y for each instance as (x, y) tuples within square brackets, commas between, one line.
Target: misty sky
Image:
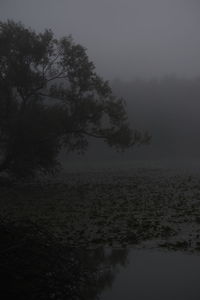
[(124, 38)]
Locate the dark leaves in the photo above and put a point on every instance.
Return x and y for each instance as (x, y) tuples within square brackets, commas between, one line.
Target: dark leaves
[(51, 97)]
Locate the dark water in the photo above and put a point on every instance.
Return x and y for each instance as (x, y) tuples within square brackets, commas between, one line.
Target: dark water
[(127, 274), (156, 276)]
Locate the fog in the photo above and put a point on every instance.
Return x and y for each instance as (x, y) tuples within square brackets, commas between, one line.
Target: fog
[(118, 206), (124, 38), (149, 50), (169, 109)]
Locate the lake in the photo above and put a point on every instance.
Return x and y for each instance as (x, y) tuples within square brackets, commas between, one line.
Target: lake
[(156, 275)]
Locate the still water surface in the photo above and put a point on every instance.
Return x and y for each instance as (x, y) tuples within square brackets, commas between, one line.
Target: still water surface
[(155, 275)]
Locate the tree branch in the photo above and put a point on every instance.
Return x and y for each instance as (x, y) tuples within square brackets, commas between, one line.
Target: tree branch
[(99, 136), (48, 66)]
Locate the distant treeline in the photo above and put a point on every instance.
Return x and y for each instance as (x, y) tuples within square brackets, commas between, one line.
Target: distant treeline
[(169, 108)]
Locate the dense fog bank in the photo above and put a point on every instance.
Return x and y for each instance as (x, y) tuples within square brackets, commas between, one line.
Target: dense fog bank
[(168, 108)]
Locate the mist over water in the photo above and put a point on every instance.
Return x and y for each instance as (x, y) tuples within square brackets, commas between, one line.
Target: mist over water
[(168, 108), (147, 196), (152, 47)]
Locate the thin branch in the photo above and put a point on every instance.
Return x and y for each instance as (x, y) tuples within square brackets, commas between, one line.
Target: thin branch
[(49, 96), (48, 66), (58, 76), (99, 136)]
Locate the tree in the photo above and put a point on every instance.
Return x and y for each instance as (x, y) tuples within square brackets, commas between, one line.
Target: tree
[(52, 98)]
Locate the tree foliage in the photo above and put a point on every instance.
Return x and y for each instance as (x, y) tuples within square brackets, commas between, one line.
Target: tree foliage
[(50, 98)]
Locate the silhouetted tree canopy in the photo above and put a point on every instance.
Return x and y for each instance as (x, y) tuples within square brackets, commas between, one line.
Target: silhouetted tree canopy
[(52, 98)]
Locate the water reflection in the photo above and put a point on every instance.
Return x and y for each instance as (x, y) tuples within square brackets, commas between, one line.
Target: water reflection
[(97, 270), (157, 275), (35, 266), (37, 269)]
